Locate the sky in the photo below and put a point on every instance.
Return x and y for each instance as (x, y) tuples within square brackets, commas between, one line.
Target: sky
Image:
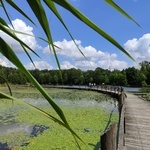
[(97, 50)]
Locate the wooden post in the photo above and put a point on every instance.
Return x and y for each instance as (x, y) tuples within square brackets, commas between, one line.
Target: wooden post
[(121, 129), (121, 101), (108, 139)]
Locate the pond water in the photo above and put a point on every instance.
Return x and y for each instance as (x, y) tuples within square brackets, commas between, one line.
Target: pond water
[(108, 104), (24, 129), (132, 89)]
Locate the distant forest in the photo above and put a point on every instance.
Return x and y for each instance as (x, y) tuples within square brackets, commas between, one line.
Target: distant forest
[(127, 77)]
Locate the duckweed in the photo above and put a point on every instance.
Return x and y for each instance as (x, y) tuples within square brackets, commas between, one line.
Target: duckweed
[(88, 122)]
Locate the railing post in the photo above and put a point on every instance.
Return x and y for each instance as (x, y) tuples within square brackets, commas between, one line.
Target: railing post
[(108, 139), (121, 130)]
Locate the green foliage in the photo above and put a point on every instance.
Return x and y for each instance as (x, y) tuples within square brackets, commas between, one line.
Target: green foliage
[(144, 84), (133, 76), (145, 70), (129, 76), (118, 78)]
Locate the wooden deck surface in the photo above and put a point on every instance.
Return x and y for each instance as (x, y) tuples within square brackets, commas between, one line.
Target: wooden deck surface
[(137, 123)]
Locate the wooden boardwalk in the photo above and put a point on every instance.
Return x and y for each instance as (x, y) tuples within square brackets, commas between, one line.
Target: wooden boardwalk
[(137, 123)]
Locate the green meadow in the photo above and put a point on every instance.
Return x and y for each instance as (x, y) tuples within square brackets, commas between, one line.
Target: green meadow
[(87, 112)]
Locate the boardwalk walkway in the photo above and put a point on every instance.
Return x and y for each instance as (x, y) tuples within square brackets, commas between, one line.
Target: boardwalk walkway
[(137, 123)]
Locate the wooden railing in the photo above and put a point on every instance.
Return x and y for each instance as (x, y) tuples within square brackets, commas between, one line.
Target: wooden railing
[(113, 139)]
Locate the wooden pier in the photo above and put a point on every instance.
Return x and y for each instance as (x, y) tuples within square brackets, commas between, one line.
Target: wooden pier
[(137, 123)]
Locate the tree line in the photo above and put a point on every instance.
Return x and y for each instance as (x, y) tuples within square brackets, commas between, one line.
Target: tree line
[(127, 77)]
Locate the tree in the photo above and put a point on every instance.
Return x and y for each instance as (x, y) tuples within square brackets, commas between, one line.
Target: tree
[(55, 79), (98, 76), (133, 77), (64, 77), (16, 78), (145, 71), (88, 77), (118, 78), (2, 75), (36, 74)]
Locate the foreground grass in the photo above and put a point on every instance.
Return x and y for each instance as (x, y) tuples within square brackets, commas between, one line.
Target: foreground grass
[(88, 122)]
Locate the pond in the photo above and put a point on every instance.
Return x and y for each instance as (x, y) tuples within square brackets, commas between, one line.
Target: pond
[(132, 89), (87, 112)]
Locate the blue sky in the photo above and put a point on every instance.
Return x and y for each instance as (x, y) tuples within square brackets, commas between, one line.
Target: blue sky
[(98, 51)]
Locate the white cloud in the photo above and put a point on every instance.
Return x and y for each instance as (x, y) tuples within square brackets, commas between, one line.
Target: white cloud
[(66, 48), (69, 49), (86, 65), (139, 48), (113, 64), (41, 65), (21, 26), (94, 58), (67, 65)]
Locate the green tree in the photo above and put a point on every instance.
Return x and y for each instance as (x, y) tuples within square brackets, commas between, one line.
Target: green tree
[(2, 74), (118, 78), (98, 76), (88, 76), (55, 79), (36, 74), (133, 76), (145, 71), (16, 78), (64, 77)]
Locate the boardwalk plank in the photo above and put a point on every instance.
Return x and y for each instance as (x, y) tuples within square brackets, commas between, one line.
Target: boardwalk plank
[(137, 123)]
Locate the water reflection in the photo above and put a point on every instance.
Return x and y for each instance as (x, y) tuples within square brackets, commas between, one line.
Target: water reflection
[(132, 89), (30, 130), (108, 104)]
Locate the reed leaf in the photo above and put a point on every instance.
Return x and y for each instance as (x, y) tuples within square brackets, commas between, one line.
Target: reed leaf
[(88, 22), (5, 10), (52, 7), (40, 14), (7, 31), (12, 4), (6, 84), (114, 5), (11, 32)]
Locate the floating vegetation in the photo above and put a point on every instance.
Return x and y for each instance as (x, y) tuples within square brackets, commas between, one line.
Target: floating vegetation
[(38, 129), (23, 128)]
